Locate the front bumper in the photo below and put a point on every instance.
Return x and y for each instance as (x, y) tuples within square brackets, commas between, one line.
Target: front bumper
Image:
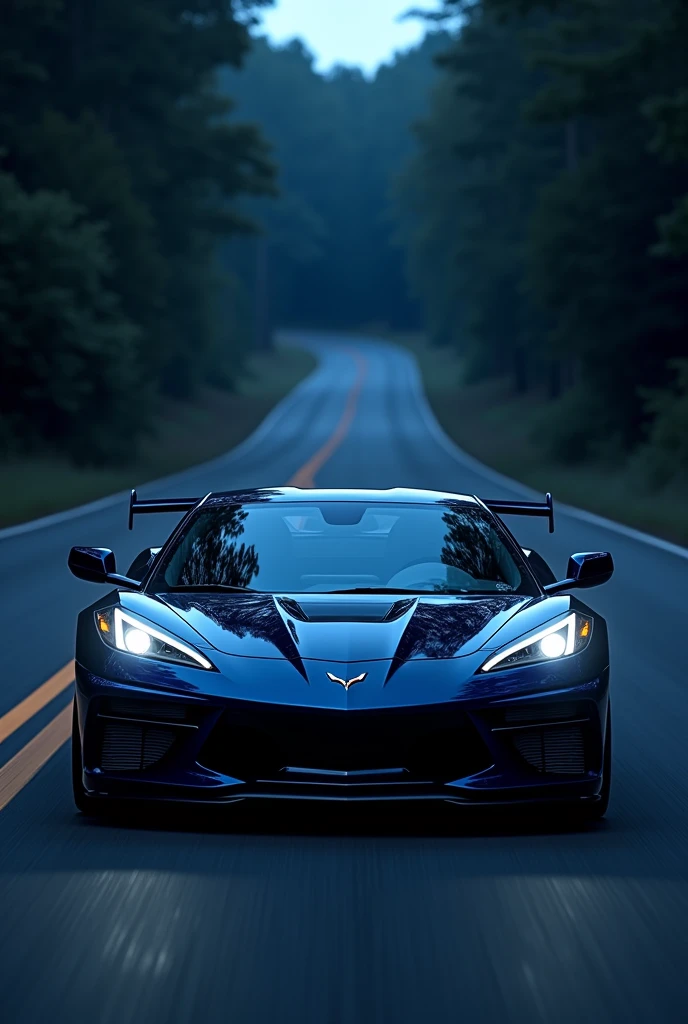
[(534, 745)]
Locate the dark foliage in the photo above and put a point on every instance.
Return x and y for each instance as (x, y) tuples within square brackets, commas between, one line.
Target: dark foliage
[(541, 218), (120, 175), (546, 214), (329, 252)]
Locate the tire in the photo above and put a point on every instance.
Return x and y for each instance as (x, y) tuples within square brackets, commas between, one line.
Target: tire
[(598, 810), (86, 804)]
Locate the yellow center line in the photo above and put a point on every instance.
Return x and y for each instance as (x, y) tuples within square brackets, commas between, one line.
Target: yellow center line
[(36, 701), (23, 766), (18, 771), (305, 477)]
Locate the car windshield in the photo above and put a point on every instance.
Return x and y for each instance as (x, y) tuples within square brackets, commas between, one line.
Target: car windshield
[(339, 547)]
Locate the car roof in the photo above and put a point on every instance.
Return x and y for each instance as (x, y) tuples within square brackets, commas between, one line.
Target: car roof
[(393, 495)]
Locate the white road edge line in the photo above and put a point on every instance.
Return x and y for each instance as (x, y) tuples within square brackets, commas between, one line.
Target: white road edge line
[(265, 427), (434, 429), (469, 461)]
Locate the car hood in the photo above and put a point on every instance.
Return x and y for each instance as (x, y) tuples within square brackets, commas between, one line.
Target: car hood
[(344, 629)]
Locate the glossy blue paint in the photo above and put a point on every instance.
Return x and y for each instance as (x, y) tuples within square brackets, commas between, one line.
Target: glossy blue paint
[(268, 693)]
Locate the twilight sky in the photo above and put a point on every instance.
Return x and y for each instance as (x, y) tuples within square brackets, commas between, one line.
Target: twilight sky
[(363, 32)]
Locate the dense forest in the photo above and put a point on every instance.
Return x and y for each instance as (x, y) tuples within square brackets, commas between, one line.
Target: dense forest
[(546, 217), (172, 187), (119, 173), (340, 140)]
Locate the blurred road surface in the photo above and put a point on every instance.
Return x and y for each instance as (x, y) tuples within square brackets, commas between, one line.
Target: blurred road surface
[(318, 916)]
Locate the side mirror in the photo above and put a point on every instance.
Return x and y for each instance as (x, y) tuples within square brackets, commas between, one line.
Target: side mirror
[(92, 564), (586, 569), (97, 565)]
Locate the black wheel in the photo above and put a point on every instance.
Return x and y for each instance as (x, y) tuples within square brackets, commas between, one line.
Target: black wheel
[(85, 803), (598, 810)]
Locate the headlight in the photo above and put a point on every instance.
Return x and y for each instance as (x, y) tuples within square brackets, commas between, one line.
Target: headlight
[(127, 633), (570, 636)]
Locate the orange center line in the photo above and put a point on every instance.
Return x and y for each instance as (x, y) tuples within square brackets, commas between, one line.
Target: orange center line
[(18, 771), (36, 701), (23, 766), (305, 477)]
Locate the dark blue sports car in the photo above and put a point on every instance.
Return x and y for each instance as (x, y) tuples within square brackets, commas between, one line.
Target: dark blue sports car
[(342, 645)]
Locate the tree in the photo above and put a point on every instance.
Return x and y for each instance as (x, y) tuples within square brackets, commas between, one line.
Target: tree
[(339, 141), (470, 192), (558, 198), (113, 127), (68, 355)]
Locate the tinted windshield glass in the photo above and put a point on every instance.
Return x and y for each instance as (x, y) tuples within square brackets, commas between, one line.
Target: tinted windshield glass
[(339, 546)]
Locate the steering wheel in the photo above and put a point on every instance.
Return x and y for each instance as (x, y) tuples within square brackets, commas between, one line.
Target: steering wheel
[(419, 574), (431, 560)]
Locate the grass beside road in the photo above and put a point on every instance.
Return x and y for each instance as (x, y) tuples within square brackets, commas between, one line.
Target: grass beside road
[(184, 435), (500, 428)]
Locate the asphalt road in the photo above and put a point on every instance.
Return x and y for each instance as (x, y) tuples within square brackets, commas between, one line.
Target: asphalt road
[(314, 916)]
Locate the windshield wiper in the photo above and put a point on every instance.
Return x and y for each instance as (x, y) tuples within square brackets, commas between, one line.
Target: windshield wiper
[(428, 593), (213, 588), (377, 590)]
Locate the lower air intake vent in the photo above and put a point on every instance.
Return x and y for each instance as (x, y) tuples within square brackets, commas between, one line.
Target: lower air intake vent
[(155, 709), (558, 751), (130, 747), (435, 743), (531, 713)]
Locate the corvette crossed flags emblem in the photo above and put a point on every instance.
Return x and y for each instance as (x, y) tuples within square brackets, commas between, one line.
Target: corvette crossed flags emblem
[(346, 683)]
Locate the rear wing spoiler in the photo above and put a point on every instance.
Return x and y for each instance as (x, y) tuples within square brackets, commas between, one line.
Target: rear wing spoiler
[(138, 507), (147, 506), (524, 508)]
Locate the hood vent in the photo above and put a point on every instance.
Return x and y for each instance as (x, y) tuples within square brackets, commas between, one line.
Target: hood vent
[(399, 608), (293, 608), (343, 609)]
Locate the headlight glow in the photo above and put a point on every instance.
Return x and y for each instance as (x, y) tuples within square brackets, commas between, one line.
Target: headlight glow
[(553, 645), (125, 632), (559, 640), (137, 641)]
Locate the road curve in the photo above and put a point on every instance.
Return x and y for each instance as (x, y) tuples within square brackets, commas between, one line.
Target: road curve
[(313, 916)]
